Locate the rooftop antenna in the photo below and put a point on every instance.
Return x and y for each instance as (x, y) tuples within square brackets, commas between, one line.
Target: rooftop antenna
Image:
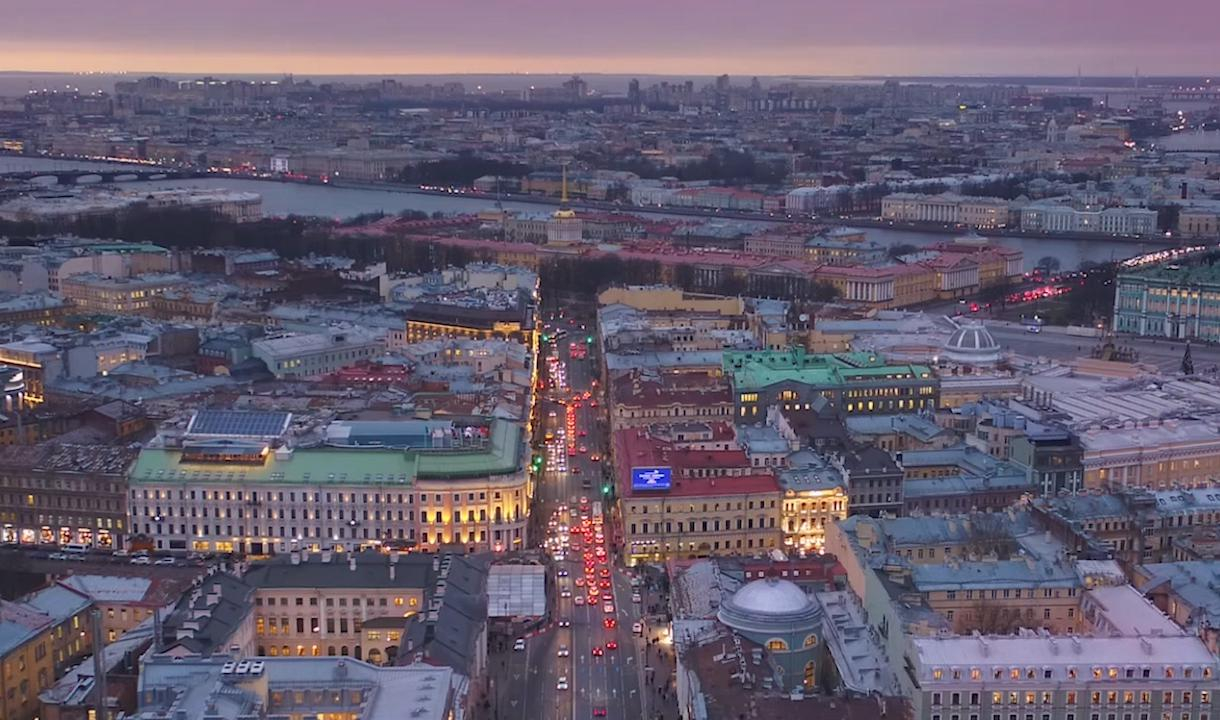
[(1078, 77), (1136, 79)]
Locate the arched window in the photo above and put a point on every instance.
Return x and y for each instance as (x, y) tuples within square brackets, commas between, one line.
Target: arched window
[(809, 675), (343, 651), (777, 645), (811, 640), (330, 650)]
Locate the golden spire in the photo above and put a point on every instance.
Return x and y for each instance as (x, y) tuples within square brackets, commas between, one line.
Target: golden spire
[(564, 212)]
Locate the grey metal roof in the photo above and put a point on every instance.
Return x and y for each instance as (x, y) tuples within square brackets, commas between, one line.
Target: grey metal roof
[(372, 571)]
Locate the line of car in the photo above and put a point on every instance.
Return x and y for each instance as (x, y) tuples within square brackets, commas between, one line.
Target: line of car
[(139, 558)]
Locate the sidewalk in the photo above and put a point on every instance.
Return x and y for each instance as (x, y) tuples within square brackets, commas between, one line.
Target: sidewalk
[(659, 660)]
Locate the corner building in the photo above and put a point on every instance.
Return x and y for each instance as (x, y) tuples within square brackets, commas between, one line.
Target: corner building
[(226, 495)]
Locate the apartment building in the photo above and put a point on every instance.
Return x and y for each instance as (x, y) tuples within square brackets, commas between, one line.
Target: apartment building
[(41, 636), (313, 604), (117, 296), (1133, 526), (638, 401), (459, 482), (853, 383), (815, 496), (713, 503), (1155, 454), (1000, 596), (55, 495), (1061, 678), (316, 354), (297, 687)]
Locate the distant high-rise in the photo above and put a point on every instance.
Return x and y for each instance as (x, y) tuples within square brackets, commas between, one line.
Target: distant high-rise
[(576, 87), (633, 92), (722, 84)]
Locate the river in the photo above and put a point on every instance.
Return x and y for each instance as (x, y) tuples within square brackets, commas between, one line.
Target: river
[(281, 199)]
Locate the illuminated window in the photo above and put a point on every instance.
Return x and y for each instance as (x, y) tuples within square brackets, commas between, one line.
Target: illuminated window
[(777, 644)]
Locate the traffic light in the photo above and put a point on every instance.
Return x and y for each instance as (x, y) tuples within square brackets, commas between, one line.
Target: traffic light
[(588, 339), (546, 338), (606, 489)]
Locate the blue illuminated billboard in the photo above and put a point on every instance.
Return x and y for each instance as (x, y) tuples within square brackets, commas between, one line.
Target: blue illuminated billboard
[(651, 478)]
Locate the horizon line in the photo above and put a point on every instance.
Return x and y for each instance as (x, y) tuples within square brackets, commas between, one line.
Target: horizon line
[(597, 73)]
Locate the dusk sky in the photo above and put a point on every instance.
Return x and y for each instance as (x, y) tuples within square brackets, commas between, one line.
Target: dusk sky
[(765, 37)]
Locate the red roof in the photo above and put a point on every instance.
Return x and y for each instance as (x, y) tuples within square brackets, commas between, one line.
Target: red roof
[(651, 394), (636, 447)]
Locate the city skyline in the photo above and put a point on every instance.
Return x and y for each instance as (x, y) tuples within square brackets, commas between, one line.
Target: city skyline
[(881, 38)]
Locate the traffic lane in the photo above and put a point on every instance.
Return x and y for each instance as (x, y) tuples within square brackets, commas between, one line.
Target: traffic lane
[(513, 694), (598, 636), (1066, 347), (554, 702), (628, 613), (617, 705), (1160, 350), (1050, 344), (587, 671), (573, 668)]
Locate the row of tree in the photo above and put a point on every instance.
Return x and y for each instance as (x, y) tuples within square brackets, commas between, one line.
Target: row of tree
[(460, 171), (724, 166), (297, 237)]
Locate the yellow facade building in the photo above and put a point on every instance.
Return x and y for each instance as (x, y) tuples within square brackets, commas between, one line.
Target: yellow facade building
[(41, 636)]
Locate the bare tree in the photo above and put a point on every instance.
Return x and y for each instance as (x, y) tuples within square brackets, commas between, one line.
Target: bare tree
[(993, 618), (989, 535)]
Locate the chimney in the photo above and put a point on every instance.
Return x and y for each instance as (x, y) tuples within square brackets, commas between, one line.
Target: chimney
[(351, 562)]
